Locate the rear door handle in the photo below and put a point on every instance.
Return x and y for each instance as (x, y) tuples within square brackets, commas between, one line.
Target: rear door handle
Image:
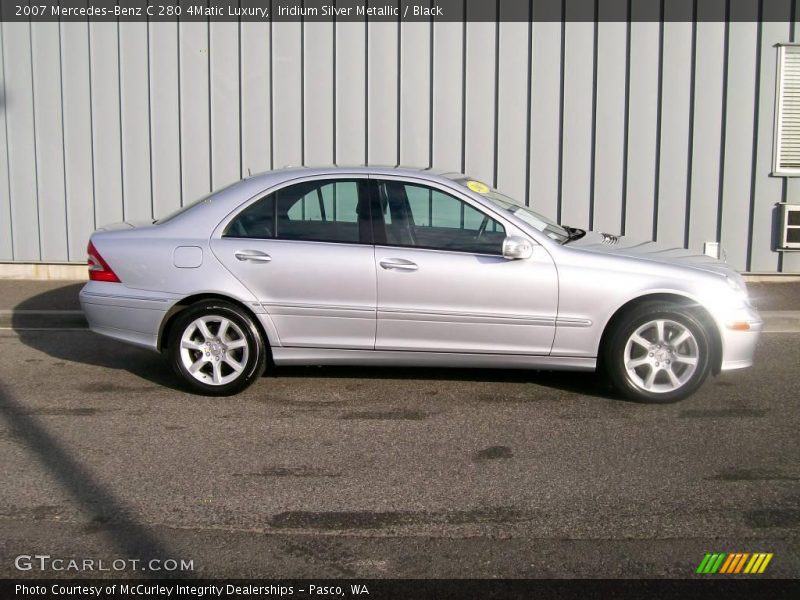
[(398, 264), (252, 255)]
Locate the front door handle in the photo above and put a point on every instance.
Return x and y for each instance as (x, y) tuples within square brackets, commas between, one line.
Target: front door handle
[(252, 255), (398, 264)]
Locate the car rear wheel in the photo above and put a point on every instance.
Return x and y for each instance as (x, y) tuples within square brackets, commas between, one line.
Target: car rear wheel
[(216, 348), (659, 352)]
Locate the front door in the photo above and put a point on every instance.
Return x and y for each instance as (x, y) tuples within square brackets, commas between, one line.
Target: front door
[(305, 251), (443, 284)]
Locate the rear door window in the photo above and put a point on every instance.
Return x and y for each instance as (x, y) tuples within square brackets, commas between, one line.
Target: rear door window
[(320, 211)]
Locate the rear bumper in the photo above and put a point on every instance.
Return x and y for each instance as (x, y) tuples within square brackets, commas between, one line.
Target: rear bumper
[(739, 347), (125, 314)]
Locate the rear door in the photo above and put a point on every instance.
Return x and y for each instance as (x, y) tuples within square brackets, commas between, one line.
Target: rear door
[(305, 251), (443, 285)]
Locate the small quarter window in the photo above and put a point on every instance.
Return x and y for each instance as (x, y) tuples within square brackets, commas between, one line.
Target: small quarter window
[(257, 221)]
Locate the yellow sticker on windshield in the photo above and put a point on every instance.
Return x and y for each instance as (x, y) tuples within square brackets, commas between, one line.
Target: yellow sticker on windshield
[(477, 186)]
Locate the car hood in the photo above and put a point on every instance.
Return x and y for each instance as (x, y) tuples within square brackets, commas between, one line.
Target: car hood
[(604, 243)]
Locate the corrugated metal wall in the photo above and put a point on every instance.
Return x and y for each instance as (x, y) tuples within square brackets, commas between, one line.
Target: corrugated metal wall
[(659, 130)]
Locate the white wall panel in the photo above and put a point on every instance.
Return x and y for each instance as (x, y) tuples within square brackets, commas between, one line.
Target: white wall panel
[(195, 113), (6, 230), (707, 128), (545, 118), (610, 125), (350, 93), (737, 177), (78, 144), (287, 98), (448, 86), (256, 98), (415, 94), (642, 126), (106, 124), (46, 48), (512, 120), (225, 151), (165, 119), (576, 161), (676, 82), (20, 128), (382, 96), (318, 93), (479, 101), (135, 108)]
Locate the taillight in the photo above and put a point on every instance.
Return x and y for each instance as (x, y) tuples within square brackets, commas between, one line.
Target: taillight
[(98, 268)]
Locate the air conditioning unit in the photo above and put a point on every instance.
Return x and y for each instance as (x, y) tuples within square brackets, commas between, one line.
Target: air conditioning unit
[(790, 227)]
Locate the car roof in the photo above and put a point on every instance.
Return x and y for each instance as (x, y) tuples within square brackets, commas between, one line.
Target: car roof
[(289, 172)]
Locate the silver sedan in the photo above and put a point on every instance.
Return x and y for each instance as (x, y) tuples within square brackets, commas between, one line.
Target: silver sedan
[(389, 266)]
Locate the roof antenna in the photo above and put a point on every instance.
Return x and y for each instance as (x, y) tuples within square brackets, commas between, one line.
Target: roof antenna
[(249, 174)]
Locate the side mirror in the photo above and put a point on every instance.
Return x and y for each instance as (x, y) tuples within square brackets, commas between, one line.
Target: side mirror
[(516, 247)]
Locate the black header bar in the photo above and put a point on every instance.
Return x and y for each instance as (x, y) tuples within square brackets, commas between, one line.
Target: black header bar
[(278, 11)]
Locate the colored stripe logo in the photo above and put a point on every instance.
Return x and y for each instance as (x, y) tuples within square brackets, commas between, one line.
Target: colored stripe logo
[(734, 563)]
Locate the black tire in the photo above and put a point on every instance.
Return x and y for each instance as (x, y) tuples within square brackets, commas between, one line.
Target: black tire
[(630, 384), (253, 362)]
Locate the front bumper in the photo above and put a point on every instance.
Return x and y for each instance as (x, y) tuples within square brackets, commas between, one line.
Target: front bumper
[(739, 346)]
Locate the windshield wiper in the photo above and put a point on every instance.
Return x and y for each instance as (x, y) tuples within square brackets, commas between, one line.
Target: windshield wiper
[(573, 233)]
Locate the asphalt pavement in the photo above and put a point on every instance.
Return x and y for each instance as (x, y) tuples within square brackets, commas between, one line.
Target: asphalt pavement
[(347, 472)]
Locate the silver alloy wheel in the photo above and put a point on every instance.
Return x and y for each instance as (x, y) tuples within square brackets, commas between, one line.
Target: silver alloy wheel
[(214, 350), (661, 356)]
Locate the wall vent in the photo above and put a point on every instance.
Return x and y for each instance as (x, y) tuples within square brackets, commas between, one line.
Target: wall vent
[(790, 227), (786, 153)]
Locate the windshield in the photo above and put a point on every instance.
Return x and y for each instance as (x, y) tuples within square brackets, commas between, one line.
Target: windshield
[(182, 210), (192, 204), (539, 222)]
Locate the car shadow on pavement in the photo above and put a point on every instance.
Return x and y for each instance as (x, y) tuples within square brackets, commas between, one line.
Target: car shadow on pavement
[(31, 326), (96, 350), (106, 513), (582, 383)]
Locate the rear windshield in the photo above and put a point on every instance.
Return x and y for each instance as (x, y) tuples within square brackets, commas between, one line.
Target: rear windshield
[(186, 207)]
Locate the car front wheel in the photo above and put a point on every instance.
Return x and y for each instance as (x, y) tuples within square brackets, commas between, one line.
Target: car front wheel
[(659, 352), (216, 348)]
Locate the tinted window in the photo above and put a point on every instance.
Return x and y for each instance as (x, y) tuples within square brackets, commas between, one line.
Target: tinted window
[(315, 211), (333, 201), (319, 211), (255, 221), (423, 217)]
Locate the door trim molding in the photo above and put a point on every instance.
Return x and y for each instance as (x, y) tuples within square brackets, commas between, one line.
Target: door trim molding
[(411, 358)]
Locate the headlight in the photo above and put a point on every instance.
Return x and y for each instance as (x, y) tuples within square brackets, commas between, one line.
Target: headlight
[(739, 289), (729, 305)]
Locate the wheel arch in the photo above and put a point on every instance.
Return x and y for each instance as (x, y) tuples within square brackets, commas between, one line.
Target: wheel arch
[(705, 317), (169, 319)]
